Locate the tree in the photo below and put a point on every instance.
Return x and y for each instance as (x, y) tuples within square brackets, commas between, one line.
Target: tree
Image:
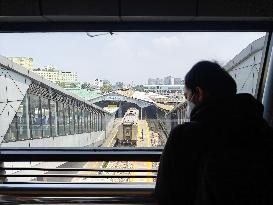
[(72, 85), (62, 84), (139, 88), (67, 84), (106, 88), (85, 85)]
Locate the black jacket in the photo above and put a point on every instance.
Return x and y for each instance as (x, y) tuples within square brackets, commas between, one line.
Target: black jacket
[(223, 156)]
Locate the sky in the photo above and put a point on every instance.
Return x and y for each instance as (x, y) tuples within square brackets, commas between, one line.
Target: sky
[(125, 56)]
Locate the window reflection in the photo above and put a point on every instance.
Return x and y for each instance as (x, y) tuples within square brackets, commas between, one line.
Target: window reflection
[(84, 120)]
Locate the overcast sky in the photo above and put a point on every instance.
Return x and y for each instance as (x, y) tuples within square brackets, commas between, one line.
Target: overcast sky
[(125, 57)]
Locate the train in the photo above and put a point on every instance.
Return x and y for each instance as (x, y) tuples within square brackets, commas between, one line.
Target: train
[(127, 130)]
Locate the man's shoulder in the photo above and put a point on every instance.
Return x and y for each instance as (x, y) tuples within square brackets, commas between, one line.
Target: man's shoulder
[(187, 135), (190, 131), (188, 128)]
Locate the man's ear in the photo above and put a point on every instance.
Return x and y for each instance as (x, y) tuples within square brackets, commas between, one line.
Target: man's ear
[(199, 95)]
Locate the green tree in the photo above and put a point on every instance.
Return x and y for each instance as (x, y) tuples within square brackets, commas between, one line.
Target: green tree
[(72, 85), (139, 88), (62, 84), (106, 88), (85, 85)]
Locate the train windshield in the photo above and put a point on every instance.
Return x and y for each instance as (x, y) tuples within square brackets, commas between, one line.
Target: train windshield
[(107, 89)]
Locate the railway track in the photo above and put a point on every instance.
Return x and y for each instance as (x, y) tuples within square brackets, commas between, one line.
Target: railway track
[(150, 139)]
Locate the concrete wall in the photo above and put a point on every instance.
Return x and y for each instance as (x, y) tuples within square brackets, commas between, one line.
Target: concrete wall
[(79, 140), (109, 121)]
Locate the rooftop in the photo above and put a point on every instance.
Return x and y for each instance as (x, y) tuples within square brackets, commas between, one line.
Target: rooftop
[(84, 93)]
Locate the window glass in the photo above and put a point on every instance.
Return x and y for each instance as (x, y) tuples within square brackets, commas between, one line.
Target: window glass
[(80, 114), (76, 120), (92, 120), (122, 90), (99, 119), (87, 121), (23, 120), (102, 122), (60, 108), (72, 120), (108, 76), (53, 119), (95, 122), (67, 119), (11, 134), (45, 117), (83, 121), (35, 116)]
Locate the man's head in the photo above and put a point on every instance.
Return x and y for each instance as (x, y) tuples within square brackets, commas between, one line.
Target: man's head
[(208, 81)]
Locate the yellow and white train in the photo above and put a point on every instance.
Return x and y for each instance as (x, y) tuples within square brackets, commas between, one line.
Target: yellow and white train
[(127, 131)]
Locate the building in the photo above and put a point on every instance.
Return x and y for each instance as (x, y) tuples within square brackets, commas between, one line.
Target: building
[(36, 113), (169, 80), (49, 72), (164, 89), (84, 93), (155, 81), (151, 81), (26, 62), (159, 81), (53, 74), (178, 81), (98, 83)]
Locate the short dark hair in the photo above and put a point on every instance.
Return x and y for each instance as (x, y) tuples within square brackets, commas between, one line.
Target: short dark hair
[(212, 78)]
